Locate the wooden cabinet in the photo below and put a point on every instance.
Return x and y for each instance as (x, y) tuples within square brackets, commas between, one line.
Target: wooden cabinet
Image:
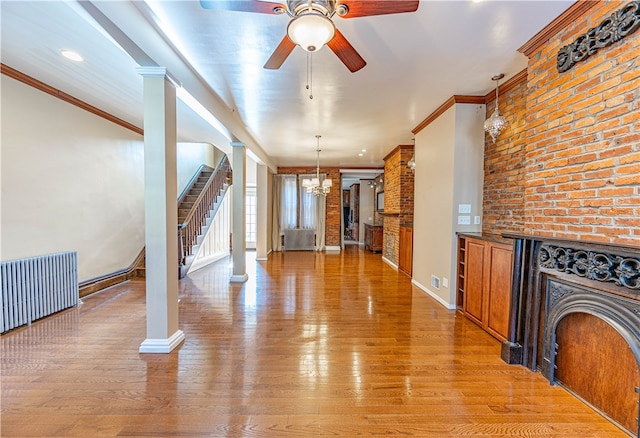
[(373, 237), (462, 246), (405, 262), (486, 284)]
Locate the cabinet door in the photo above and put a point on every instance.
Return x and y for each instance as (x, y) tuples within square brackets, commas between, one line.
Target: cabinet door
[(406, 250), (474, 277), (500, 290)]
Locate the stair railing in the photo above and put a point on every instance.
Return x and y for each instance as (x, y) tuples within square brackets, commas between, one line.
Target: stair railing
[(191, 228), (194, 178)]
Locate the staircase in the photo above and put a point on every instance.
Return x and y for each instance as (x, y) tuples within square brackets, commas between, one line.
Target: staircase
[(185, 203), (197, 207)]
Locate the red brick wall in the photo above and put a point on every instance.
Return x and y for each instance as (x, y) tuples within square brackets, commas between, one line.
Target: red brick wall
[(398, 199), (333, 213), (582, 157), (503, 192)]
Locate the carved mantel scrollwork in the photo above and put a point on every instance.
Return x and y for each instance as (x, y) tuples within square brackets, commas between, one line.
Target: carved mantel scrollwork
[(615, 27), (593, 265)]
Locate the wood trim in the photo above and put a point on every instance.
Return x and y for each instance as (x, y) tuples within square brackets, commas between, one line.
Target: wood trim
[(32, 82), (398, 148), (445, 106), (507, 86), (97, 284), (562, 21), (298, 169)]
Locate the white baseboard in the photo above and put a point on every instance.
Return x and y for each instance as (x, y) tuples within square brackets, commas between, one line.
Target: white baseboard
[(206, 261), (390, 263), (262, 259), (162, 345), (332, 248), (433, 295)]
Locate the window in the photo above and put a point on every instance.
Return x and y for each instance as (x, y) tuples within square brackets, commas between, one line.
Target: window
[(289, 213), (307, 205), (251, 216), (298, 208)]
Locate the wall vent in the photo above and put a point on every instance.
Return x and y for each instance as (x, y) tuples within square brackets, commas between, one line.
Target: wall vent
[(435, 281)]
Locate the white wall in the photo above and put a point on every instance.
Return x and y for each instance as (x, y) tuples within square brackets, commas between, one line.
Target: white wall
[(215, 243), (366, 206), (190, 157), (71, 181), (449, 159)]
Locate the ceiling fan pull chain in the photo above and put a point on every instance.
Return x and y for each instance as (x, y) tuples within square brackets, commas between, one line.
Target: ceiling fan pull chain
[(310, 74)]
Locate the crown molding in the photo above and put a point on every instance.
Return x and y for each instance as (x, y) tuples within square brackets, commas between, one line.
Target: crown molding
[(445, 106), (562, 21), (39, 85)]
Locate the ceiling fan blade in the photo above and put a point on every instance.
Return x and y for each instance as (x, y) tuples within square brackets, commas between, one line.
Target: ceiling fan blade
[(345, 51), (243, 6), (281, 53), (360, 8)]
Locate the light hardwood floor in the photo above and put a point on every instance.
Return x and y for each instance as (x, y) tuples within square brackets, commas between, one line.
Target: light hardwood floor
[(312, 344)]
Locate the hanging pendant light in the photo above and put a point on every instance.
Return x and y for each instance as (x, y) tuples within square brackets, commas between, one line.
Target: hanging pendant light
[(313, 185), (411, 164), (495, 124)]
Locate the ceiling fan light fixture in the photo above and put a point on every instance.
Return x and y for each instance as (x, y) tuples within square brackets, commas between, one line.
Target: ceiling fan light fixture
[(311, 31)]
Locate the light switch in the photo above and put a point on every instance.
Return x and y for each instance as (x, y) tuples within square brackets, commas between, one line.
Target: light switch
[(464, 220), (476, 220), (445, 282), (464, 208)]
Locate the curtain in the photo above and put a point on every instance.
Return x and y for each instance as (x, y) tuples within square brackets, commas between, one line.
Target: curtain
[(321, 203), (289, 202), (308, 203), (276, 229)]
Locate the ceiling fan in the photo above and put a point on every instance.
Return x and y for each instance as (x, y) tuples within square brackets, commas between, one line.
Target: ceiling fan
[(311, 25)]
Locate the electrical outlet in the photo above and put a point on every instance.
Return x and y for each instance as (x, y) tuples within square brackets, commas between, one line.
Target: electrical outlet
[(445, 282), (464, 208), (464, 220)]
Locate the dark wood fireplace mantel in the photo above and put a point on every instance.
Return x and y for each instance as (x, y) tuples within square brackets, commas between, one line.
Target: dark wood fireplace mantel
[(565, 289)]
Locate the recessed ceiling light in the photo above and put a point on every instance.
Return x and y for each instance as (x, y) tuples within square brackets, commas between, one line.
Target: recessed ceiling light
[(360, 154), (364, 150), (70, 54), (476, 1)]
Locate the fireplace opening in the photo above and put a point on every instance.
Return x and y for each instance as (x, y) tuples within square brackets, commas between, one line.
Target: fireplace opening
[(595, 363), (592, 347)]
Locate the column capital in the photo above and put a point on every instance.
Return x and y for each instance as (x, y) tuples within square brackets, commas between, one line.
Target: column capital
[(158, 72), (237, 144)]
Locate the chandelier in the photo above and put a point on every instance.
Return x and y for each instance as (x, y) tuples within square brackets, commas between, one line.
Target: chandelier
[(495, 124), (313, 185)]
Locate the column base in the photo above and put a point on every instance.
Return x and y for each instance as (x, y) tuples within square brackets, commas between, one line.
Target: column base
[(162, 345), (239, 278)]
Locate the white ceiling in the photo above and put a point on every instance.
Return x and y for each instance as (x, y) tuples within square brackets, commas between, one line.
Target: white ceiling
[(415, 62)]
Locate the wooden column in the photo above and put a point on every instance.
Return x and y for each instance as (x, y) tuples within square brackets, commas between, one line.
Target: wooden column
[(161, 215), (238, 230)]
